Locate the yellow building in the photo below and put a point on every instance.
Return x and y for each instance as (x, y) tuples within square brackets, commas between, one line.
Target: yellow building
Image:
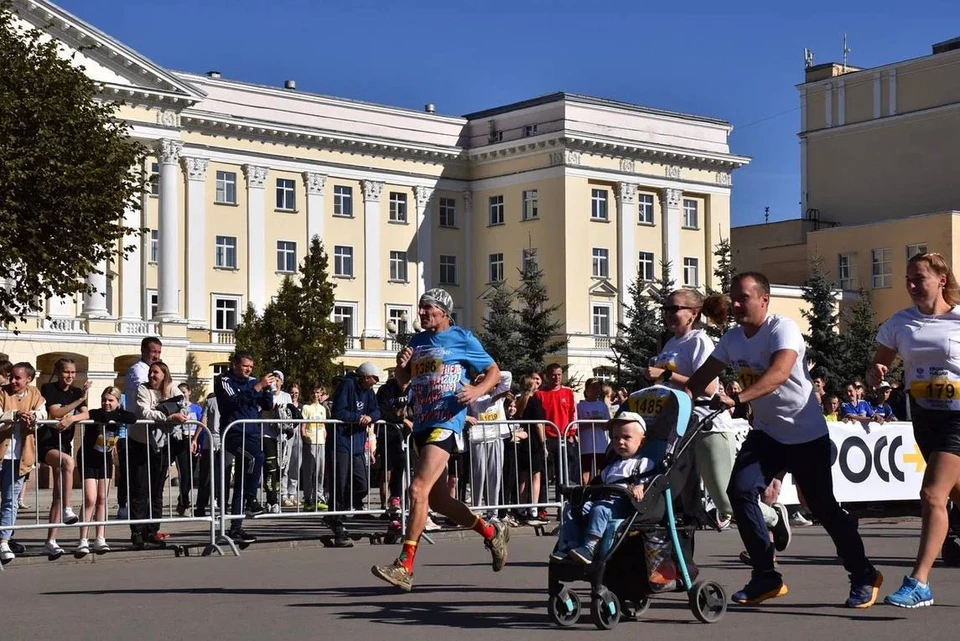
[(876, 174), (244, 175)]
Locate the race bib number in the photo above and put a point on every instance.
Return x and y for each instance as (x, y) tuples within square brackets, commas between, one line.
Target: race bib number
[(649, 404), (427, 367), (748, 377)]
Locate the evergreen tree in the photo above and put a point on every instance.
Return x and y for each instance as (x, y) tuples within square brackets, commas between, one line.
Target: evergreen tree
[(499, 333), (539, 329), (295, 334), (859, 337), (825, 348), (725, 269)]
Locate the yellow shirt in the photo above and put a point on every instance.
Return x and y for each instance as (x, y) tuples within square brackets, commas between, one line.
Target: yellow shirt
[(316, 432)]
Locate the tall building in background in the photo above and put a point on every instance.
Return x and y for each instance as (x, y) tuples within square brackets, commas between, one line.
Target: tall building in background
[(596, 191)]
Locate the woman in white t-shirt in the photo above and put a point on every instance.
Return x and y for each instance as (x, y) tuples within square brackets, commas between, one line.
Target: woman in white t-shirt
[(683, 354), (593, 436), (927, 337)]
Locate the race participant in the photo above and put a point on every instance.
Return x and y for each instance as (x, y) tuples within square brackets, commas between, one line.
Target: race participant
[(438, 363), (927, 337), (789, 433)]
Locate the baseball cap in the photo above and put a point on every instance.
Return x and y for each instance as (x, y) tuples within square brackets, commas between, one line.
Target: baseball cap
[(883, 385), (278, 374), (369, 369), (630, 417)]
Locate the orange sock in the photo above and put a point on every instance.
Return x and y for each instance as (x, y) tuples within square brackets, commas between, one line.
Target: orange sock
[(407, 554), (485, 530)]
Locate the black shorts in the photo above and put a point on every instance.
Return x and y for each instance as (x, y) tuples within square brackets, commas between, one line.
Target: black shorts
[(936, 430), (46, 447), (447, 440)]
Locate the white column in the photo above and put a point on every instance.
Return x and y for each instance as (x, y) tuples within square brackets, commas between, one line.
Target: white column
[(670, 200), (314, 184), (168, 153), (256, 231), (423, 196), (467, 282), (95, 302), (131, 268), (828, 104), (196, 275), (372, 276), (626, 245)]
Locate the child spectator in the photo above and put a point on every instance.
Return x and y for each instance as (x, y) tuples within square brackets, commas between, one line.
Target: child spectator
[(831, 408), (593, 436), (854, 410), (881, 406), (513, 444), (314, 438), (486, 444)]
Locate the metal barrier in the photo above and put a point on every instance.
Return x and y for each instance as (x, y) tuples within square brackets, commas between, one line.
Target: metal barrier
[(348, 471), (593, 434), (95, 459)]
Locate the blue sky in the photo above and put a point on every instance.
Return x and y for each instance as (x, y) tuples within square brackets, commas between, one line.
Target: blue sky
[(736, 60)]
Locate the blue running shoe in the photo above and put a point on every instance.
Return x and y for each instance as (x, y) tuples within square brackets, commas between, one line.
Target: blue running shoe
[(762, 586), (864, 589), (912, 594)]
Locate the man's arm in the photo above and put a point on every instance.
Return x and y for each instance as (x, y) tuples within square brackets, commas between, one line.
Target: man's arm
[(781, 363), (402, 372), (704, 376), (470, 393)]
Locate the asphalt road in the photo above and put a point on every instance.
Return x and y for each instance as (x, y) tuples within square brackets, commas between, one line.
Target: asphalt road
[(278, 594)]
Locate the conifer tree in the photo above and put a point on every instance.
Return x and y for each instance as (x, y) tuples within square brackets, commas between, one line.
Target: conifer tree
[(499, 332), (825, 348), (539, 329), (639, 338), (859, 337)]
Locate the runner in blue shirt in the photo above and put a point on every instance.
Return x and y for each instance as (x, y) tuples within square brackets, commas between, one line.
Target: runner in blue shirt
[(438, 364)]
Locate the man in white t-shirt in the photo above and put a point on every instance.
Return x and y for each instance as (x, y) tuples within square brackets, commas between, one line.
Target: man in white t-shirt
[(789, 433)]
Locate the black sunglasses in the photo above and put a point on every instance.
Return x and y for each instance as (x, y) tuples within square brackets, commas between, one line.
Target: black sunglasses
[(673, 309)]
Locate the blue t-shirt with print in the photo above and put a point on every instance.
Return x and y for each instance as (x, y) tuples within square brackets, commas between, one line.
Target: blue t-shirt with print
[(439, 367), (860, 408)]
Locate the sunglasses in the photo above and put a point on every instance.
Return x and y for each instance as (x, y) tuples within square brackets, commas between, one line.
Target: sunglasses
[(673, 309)]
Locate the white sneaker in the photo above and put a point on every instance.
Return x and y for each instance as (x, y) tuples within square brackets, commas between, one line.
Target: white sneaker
[(6, 554), (53, 550), (100, 545), (288, 502), (69, 518), (122, 513), (274, 508), (797, 519), (83, 549), (431, 526)]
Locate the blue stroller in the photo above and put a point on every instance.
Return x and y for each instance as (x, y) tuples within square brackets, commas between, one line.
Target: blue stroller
[(670, 511)]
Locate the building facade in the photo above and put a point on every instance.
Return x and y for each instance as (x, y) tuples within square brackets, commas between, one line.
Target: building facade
[(243, 176)]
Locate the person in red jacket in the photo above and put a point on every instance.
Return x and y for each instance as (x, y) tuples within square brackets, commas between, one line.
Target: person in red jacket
[(554, 403)]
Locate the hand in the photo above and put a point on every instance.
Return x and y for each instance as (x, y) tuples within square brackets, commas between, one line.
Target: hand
[(86, 387), (725, 401), (471, 420), (468, 394), (403, 358), (365, 420), (65, 422), (637, 491), (265, 383), (30, 418), (652, 373), (876, 373), (373, 458), (179, 417), (195, 448)]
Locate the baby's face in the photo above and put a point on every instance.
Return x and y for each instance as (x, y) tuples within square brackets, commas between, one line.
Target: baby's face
[(627, 438)]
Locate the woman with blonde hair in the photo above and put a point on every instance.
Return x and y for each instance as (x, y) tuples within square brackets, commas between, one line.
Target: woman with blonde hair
[(927, 338)]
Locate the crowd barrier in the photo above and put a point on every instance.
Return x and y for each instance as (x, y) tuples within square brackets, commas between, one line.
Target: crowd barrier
[(141, 479)]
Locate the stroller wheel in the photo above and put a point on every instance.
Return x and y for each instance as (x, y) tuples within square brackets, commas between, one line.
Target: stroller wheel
[(605, 610), (565, 608), (633, 610), (951, 552), (708, 601)]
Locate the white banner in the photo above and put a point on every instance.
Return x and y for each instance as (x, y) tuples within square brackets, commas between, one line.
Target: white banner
[(880, 463)]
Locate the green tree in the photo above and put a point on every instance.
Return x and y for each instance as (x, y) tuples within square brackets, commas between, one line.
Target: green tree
[(639, 338), (825, 348), (499, 333), (197, 391), (539, 329), (295, 333), (725, 269), (67, 173), (859, 337)]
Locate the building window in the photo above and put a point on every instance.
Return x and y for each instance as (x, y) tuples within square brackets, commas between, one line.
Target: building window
[(155, 179), (398, 266), (448, 212), (530, 130), (915, 250), (286, 194), (225, 313), (528, 261), (691, 272), (598, 204), (286, 256), (496, 210), (220, 369), (605, 374), (691, 215), (847, 271), (496, 268), (645, 270), (343, 201), (153, 303), (344, 315), (882, 268), (154, 246), (531, 204), (398, 207), (342, 260), (645, 209), (400, 317), (601, 320), (226, 188), (225, 256), (448, 270), (601, 263)]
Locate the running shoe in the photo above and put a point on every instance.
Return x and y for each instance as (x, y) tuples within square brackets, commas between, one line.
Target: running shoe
[(83, 549), (582, 554), (53, 550), (762, 586), (797, 519), (253, 508), (21, 505), (394, 504), (6, 554), (69, 518), (240, 536), (912, 594), (864, 589), (559, 555), (498, 545), (395, 574), (122, 513), (781, 530), (431, 525), (288, 502), (100, 545)]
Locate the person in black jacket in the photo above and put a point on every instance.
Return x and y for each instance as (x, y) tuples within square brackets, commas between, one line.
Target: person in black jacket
[(354, 403), (394, 400)]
